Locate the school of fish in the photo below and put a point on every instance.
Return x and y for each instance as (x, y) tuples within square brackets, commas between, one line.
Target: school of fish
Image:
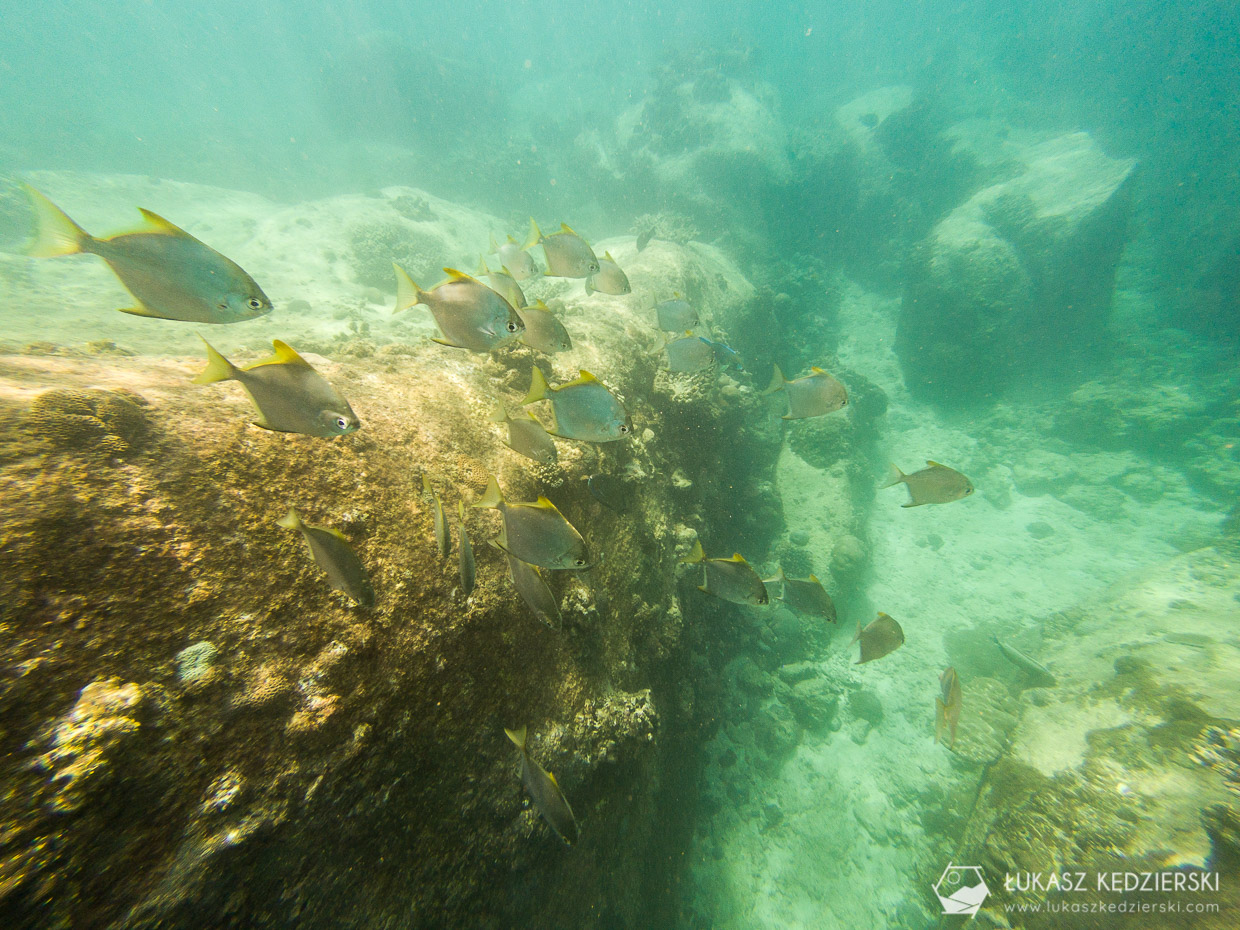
[(172, 275)]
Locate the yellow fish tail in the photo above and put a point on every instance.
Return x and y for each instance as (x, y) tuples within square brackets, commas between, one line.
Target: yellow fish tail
[(218, 368), (291, 520), (894, 476), (55, 234), (538, 387), (517, 737), (408, 294), (777, 382), (536, 235), (696, 554), (493, 497)]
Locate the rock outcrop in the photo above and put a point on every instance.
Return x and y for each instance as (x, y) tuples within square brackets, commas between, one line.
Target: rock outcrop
[(1017, 280)]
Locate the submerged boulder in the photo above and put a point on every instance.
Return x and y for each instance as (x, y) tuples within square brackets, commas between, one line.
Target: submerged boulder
[(1016, 282)]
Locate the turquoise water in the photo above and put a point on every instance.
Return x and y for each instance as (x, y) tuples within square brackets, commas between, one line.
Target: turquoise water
[(1008, 231)]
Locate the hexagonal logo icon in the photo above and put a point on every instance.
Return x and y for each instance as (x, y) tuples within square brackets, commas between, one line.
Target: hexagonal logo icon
[(961, 889)]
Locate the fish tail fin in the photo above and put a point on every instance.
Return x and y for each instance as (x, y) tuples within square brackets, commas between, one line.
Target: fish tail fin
[(493, 496), (55, 234), (777, 382), (408, 294), (218, 368), (535, 236), (538, 387), (894, 476), (291, 520), (517, 737), (499, 413), (696, 554)]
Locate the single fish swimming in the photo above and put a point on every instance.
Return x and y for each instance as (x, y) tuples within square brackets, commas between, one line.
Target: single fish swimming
[(1037, 672), (443, 540), (465, 561), (332, 553), (545, 791), (468, 313), (526, 436), (947, 706), (568, 255), (726, 355), (610, 491), (689, 354), (805, 595), (171, 275), (291, 397), (543, 330), (934, 484), (881, 637), (609, 279), (644, 237), (518, 261), (503, 284), (536, 532), (582, 408), (814, 395), (731, 579), (531, 586), (675, 315)]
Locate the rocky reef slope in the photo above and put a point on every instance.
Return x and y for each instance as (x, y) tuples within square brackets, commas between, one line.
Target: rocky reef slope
[(198, 731)]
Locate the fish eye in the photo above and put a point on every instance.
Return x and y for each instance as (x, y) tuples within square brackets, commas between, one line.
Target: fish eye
[(579, 562), (342, 423), (255, 303), (512, 327), (625, 429)]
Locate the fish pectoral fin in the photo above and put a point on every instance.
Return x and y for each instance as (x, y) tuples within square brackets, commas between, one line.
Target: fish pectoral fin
[(445, 342), (912, 504)]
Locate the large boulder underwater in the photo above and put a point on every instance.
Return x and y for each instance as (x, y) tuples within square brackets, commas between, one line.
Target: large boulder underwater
[(1015, 283)]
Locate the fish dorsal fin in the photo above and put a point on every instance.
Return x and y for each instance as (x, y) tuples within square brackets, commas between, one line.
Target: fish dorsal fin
[(158, 224), (565, 228), (539, 304), (454, 275), (504, 269), (284, 355), (543, 504), (583, 377), (607, 255), (482, 266), (814, 579), (934, 464), (327, 529), (736, 557), (551, 775), (512, 240)]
